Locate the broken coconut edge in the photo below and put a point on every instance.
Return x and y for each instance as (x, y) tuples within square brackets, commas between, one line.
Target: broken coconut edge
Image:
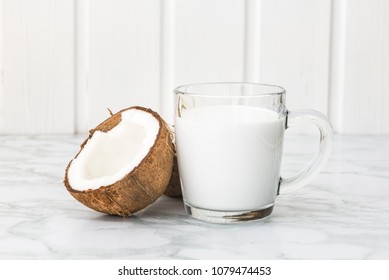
[(139, 188)]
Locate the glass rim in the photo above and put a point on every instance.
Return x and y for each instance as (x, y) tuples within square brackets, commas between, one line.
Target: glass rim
[(280, 90)]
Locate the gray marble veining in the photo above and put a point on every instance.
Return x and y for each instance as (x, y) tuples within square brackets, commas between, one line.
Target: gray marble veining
[(342, 214)]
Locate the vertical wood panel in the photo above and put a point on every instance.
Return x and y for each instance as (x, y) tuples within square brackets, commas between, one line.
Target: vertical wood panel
[(202, 41), (124, 51), (38, 62), (360, 61), (167, 39), (2, 94), (294, 50), (209, 41), (337, 62), (253, 34), (82, 43)]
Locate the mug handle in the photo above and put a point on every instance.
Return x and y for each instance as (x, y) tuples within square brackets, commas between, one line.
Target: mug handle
[(322, 154)]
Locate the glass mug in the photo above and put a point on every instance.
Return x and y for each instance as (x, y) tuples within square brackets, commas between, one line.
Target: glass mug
[(229, 140)]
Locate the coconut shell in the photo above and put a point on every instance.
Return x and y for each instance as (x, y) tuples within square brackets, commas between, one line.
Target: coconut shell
[(174, 187), (142, 186)]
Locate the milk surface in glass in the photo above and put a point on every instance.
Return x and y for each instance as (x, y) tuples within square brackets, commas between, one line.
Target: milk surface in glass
[(229, 156)]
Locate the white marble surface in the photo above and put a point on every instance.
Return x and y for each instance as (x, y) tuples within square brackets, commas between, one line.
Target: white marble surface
[(342, 214)]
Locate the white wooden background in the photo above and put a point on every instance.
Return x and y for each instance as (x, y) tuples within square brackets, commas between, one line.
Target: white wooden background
[(63, 62)]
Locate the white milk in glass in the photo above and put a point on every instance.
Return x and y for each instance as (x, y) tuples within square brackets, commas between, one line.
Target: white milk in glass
[(229, 156)]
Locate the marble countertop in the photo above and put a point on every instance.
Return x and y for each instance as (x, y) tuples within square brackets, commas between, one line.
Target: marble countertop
[(342, 214)]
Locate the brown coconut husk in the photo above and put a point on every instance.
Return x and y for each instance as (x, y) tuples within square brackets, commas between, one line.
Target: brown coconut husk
[(174, 186), (142, 186)]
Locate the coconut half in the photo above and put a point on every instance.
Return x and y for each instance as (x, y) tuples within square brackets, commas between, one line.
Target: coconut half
[(124, 165)]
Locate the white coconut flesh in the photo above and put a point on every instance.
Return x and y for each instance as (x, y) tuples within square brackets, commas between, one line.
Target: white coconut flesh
[(109, 156)]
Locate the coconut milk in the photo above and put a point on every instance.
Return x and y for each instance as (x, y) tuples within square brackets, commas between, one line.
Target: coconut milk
[(229, 156)]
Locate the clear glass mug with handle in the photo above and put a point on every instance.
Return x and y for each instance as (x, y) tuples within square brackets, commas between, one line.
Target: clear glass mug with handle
[(229, 141)]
